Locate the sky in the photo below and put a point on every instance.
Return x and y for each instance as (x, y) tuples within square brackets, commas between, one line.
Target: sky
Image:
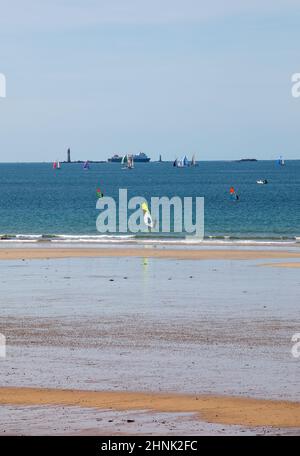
[(167, 77)]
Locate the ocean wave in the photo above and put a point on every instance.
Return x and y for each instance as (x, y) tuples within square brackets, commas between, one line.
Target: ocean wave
[(146, 239), (92, 237), (29, 236)]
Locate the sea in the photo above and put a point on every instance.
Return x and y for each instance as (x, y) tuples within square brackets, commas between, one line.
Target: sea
[(40, 204)]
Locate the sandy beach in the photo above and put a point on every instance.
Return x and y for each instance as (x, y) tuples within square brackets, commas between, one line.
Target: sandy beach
[(167, 253), (198, 346), (282, 265), (213, 409)]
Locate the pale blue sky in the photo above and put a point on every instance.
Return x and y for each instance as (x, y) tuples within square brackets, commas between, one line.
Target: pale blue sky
[(168, 76)]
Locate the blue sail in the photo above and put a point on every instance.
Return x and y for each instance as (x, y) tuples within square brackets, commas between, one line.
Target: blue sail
[(280, 161), (185, 161)]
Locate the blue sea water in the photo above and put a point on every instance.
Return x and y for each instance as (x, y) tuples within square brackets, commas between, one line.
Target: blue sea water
[(37, 200)]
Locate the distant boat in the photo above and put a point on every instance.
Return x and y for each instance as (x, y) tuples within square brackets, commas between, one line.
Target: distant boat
[(262, 181), (280, 161), (182, 163), (56, 165), (140, 158), (193, 162), (185, 161), (124, 162), (130, 162), (86, 165), (160, 159), (127, 162)]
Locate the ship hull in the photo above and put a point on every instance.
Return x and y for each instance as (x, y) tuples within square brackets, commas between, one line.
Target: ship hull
[(136, 160)]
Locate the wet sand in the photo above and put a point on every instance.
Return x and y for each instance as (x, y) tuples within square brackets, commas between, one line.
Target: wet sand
[(222, 410), (74, 420), (100, 333)]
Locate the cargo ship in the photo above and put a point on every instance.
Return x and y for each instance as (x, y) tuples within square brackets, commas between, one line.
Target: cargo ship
[(138, 158)]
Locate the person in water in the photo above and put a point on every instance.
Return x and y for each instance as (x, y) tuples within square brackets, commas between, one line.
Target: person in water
[(233, 194)]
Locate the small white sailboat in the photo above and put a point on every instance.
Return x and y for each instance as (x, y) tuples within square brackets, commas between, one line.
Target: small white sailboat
[(127, 162), (124, 161), (193, 162), (130, 162)]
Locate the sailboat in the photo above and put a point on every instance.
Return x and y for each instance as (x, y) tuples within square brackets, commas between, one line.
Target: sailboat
[(193, 162), (185, 161), (281, 161), (86, 165), (127, 162), (124, 162), (175, 162), (182, 163), (56, 165), (131, 163)]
